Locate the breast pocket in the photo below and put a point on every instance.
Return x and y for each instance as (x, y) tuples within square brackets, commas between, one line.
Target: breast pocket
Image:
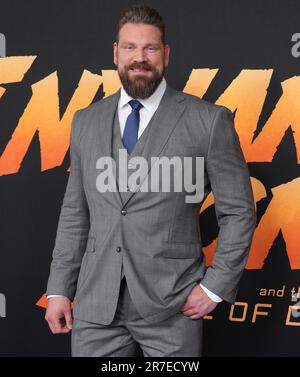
[(181, 150)]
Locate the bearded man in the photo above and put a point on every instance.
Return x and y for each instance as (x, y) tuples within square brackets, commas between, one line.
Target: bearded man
[(131, 261)]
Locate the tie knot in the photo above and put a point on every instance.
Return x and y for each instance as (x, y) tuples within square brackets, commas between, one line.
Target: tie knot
[(135, 104)]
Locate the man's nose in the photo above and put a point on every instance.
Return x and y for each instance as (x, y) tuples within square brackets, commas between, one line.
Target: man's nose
[(140, 55)]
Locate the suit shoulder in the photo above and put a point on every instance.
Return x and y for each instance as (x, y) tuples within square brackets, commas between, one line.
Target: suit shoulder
[(95, 106), (202, 112), (206, 108), (83, 118), (85, 115)]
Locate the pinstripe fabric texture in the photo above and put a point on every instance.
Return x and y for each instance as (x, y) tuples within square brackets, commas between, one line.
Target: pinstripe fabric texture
[(153, 236)]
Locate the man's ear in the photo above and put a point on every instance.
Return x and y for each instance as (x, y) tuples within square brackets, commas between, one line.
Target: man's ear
[(115, 52), (167, 54)]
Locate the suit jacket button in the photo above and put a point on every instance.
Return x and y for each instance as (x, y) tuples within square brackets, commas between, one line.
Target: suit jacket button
[(118, 249), (123, 212)]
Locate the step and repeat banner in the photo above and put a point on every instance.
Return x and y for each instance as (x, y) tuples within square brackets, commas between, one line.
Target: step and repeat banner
[(56, 58)]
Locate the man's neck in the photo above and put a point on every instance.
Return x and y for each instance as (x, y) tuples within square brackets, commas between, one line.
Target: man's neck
[(146, 102)]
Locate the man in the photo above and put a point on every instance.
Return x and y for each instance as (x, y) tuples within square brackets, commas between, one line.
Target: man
[(132, 261)]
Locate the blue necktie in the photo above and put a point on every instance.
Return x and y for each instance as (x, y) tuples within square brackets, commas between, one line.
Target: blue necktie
[(131, 129)]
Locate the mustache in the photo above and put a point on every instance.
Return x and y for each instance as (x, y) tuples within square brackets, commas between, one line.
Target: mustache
[(145, 66)]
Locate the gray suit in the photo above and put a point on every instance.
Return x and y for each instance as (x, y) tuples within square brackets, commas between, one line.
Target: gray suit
[(153, 238)]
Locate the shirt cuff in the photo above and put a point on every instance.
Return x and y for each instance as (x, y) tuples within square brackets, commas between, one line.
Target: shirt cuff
[(211, 295), (49, 296)]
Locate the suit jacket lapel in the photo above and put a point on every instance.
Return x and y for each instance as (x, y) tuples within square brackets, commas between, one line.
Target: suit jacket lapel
[(168, 113), (107, 117)]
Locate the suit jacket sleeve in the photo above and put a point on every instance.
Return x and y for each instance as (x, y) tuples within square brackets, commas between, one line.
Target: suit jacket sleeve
[(234, 206), (73, 226)]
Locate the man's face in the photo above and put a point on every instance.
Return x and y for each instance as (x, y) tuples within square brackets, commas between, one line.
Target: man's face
[(141, 58)]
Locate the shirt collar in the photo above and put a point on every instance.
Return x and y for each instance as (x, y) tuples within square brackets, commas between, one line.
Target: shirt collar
[(149, 102)]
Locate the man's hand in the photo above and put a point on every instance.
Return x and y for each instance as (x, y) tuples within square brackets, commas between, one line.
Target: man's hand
[(58, 315), (197, 304)]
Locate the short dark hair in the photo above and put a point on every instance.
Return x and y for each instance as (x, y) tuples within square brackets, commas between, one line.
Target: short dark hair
[(142, 14)]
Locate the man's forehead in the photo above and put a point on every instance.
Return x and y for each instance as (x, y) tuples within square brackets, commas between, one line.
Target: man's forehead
[(139, 32)]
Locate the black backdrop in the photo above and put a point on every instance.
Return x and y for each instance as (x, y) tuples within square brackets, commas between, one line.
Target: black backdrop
[(70, 36)]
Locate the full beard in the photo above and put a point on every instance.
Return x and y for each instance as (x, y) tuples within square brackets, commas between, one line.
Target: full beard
[(140, 86)]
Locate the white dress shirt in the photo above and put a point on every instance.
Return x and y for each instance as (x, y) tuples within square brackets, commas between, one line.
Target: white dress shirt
[(150, 105)]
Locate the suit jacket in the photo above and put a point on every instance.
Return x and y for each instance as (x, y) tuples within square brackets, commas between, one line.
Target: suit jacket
[(154, 235)]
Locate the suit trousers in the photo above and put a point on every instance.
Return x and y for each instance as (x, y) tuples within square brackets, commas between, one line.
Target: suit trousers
[(129, 335)]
